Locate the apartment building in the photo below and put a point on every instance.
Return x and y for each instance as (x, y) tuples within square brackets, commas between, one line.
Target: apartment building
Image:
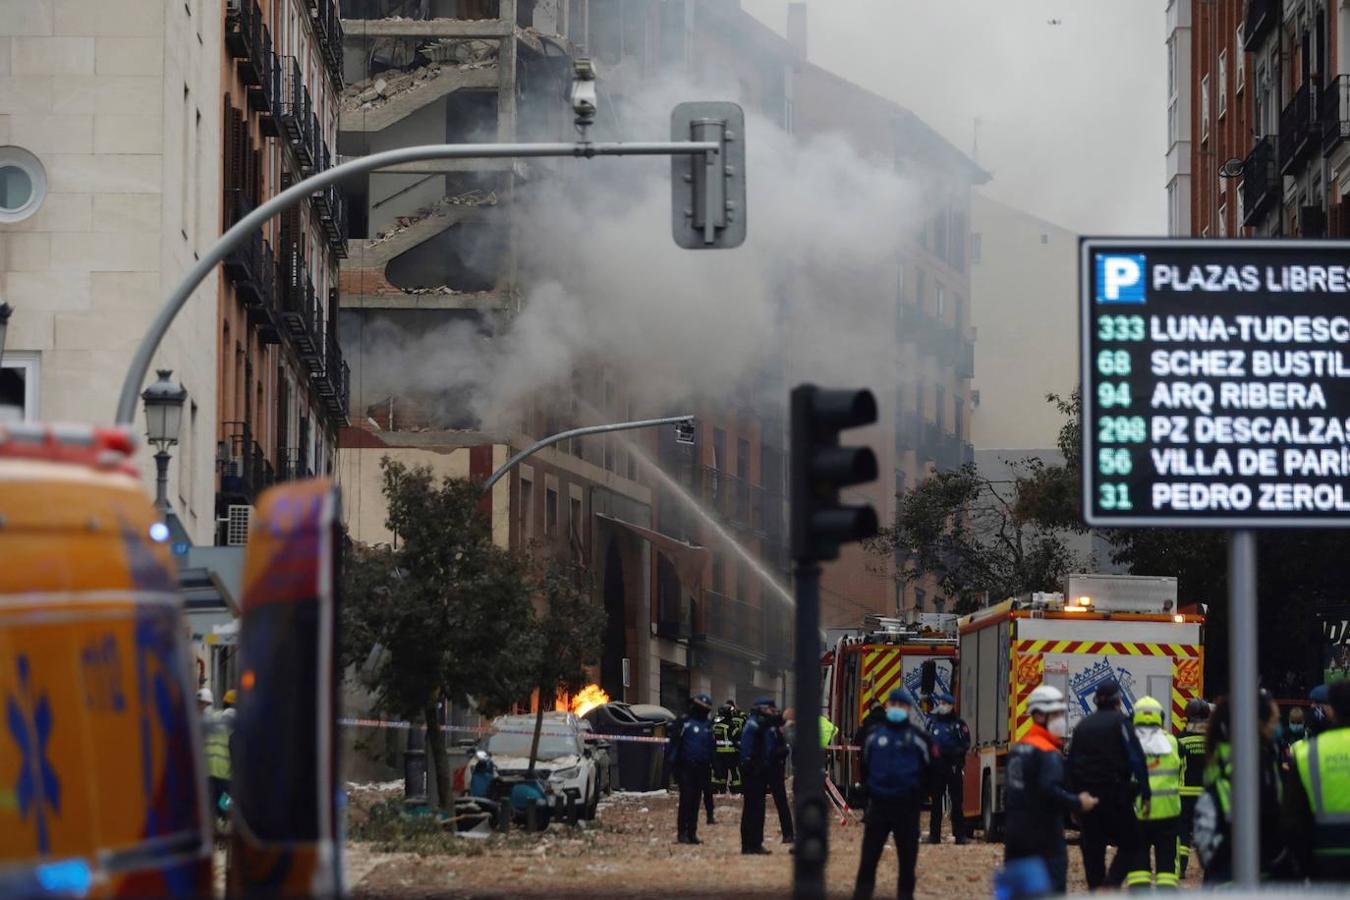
[(110, 162), (283, 384)]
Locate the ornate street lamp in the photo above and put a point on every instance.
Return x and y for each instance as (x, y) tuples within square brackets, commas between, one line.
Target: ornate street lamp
[(163, 418)]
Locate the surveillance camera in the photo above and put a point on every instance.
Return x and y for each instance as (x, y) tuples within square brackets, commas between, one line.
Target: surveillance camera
[(584, 102)]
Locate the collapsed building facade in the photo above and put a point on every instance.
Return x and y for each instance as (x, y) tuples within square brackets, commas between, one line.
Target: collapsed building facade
[(435, 246)]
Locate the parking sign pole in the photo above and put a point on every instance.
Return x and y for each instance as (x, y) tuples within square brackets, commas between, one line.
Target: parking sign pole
[(1243, 729)]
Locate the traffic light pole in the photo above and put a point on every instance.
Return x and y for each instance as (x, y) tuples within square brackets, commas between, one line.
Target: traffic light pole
[(1243, 691), (299, 192), (577, 432), (808, 758)]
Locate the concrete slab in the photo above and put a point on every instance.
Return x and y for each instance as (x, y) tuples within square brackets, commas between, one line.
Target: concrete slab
[(406, 102)]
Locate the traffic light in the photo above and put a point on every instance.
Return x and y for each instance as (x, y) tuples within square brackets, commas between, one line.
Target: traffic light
[(707, 192), (820, 467)]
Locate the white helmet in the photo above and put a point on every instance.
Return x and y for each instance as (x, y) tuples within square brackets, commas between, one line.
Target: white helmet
[(1046, 699), (205, 696)]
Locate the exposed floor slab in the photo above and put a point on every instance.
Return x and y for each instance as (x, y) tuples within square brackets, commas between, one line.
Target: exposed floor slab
[(379, 113)]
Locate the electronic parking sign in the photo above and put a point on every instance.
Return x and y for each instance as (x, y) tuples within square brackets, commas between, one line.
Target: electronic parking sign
[(1216, 383)]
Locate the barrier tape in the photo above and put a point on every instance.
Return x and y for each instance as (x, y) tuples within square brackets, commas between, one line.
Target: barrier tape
[(585, 735)]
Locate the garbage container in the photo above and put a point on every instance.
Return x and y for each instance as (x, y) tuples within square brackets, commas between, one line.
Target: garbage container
[(640, 763)]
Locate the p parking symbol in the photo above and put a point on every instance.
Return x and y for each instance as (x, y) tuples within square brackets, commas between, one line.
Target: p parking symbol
[(1120, 278)]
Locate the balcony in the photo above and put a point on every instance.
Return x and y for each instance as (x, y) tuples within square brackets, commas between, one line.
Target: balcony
[(245, 470), (965, 360), (243, 31), (297, 119), (334, 383), (331, 209), (730, 626), (1334, 113), (1261, 184), (1300, 126), (299, 307), (738, 502), (328, 22), (292, 465), (1262, 16), (908, 431)]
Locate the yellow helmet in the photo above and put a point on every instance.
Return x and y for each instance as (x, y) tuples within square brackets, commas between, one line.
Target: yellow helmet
[(1148, 711), (230, 697)]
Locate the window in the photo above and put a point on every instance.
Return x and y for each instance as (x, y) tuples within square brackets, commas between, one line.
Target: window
[(23, 184), (185, 191), (719, 443), (1223, 220), (574, 520), (1237, 192), (1239, 63), (526, 510), (1173, 121), (187, 481), (920, 596), (550, 512), (19, 387), (1172, 66), (1204, 108), (718, 573), (1223, 83)]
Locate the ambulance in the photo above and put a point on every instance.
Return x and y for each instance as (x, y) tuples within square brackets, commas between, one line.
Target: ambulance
[(1122, 628), (864, 664)]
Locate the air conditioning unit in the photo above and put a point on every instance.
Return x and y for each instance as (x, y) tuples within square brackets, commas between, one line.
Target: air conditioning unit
[(238, 518)]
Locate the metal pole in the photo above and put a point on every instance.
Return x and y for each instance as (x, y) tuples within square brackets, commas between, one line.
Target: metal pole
[(808, 760), (1242, 694), (296, 194), (162, 481), (577, 432)]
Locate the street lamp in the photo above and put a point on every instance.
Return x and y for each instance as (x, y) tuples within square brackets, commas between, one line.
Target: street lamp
[(5, 310), (163, 418)]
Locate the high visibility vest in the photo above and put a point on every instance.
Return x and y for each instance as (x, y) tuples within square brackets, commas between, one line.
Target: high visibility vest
[(1192, 764), (216, 744), (1323, 764), (1164, 783), (722, 734), (827, 732)]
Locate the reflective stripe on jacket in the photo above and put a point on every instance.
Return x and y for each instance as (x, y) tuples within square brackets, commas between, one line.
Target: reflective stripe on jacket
[(1192, 764), (1164, 782), (1323, 764), (216, 744)]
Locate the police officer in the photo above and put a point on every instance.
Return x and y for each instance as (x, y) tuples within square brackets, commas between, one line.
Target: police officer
[(782, 725), (952, 736), (1317, 799), (1160, 816), (897, 764), (1038, 797), (759, 747), (690, 754), (1319, 715), (1192, 744), (1106, 761)]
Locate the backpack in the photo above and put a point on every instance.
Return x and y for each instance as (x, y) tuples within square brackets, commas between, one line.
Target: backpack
[(1210, 828)]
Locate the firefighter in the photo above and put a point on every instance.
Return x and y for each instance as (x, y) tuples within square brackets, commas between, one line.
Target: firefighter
[(1105, 760), (897, 764), (727, 732), (759, 748), (950, 732), (1160, 815), (1038, 797), (217, 729), (1192, 743), (1317, 799), (690, 754)]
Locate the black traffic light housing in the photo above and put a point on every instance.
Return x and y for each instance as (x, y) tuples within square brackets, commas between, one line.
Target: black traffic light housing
[(821, 467)]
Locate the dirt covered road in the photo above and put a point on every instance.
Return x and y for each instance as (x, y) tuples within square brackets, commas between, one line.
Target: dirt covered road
[(631, 852)]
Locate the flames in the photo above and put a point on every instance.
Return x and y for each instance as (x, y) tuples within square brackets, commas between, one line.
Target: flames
[(588, 698)]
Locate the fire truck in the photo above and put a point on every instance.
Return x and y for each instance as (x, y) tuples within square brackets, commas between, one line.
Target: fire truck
[(864, 664), (1120, 628)]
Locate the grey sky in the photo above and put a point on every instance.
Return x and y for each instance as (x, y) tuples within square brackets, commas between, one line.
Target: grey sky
[(1072, 115)]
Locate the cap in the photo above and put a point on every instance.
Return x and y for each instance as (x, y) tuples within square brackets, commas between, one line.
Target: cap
[(764, 701), (943, 697), (702, 700), (1319, 694), (205, 696), (900, 695), (231, 697)]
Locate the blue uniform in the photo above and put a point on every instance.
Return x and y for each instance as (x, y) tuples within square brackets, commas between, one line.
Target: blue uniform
[(952, 736), (897, 762), (689, 753), (760, 741)]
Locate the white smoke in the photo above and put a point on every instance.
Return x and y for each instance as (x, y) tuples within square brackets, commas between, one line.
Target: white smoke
[(815, 281)]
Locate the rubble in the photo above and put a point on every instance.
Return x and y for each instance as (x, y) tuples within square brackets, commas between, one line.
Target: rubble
[(375, 92), (440, 208)]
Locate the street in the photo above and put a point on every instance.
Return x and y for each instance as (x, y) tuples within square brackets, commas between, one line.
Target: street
[(631, 852)]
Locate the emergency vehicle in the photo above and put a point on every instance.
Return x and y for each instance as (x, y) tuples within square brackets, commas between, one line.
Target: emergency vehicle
[(102, 781), (865, 664), (1120, 628)]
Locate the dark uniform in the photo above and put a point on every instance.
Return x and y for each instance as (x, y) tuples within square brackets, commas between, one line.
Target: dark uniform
[(777, 779), (726, 765), (1105, 760), (759, 748), (897, 766), (690, 755), (952, 736), (1192, 743), (1036, 803)]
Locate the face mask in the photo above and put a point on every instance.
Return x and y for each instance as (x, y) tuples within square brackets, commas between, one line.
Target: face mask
[(943, 709), (1295, 727), (1058, 726), (896, 714)]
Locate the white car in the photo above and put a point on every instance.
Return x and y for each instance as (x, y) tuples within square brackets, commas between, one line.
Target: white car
[(564, 758)]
